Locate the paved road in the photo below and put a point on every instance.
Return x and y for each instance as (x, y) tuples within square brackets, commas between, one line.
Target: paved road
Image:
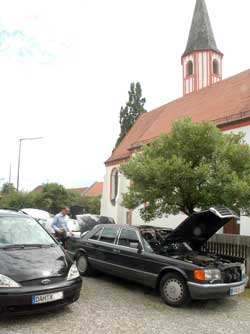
[(113, 306)]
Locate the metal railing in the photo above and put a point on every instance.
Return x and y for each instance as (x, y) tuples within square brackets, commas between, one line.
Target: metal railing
[(232, 118)]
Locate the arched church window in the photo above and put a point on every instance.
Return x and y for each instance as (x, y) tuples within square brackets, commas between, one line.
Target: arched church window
[(190, 68), (215, 67), (114, 185)]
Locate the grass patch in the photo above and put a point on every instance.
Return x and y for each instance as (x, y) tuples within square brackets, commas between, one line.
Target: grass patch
[(245, 294)]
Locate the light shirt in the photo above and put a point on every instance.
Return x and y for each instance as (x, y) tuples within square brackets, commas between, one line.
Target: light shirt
[(59, 222)]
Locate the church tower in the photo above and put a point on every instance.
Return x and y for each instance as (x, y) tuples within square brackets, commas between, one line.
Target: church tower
[(201, 61)]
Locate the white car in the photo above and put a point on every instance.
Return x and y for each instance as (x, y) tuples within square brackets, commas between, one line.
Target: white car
[(46, 219)]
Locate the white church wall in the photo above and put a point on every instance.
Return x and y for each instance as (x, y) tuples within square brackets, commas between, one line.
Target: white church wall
[(244, 220), (244, 129), (116, 211), (244, 225), (170, 221), (107, 209), (122, 213)]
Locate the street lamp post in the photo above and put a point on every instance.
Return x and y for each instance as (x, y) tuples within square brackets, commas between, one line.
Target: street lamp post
[(19, 157)]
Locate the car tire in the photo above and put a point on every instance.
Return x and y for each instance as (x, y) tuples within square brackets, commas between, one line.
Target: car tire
[(174, 290), (83, 265)]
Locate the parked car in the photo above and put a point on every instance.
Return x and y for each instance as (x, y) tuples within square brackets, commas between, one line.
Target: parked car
[(35, 273), (88, 221), (41, 215), (171, 261), (46, 219)]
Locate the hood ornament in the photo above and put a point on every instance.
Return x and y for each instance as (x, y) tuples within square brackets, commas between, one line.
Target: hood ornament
[(46, 281)]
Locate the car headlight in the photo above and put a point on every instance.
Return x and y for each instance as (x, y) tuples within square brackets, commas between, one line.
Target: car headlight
[(73, 273), (243, 270), (207, 275), (6, 282)]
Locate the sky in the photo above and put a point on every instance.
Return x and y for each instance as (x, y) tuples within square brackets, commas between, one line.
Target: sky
[(66, 67)]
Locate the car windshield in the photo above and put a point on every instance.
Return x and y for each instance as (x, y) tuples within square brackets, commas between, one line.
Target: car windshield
[(25, 231)]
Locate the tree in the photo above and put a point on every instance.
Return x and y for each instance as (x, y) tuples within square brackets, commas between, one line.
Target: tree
[(93, 205), (133, 109), (90, 205), (194, 167), (53, 197), (16, 200), (8, 188)]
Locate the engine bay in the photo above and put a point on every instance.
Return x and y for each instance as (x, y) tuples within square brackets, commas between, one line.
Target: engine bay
[(157, 239)]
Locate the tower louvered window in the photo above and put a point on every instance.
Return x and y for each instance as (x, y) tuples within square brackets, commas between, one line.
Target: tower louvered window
[(215, 67), (190, 68)]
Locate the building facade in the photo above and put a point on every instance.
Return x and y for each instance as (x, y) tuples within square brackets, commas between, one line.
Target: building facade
[(206, 97)]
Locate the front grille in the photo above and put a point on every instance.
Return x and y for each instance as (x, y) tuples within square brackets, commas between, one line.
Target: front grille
[(37, 282), (231, 275)]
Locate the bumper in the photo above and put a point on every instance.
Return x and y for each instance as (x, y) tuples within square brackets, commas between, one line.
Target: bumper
[(19, 301), (213, 291)]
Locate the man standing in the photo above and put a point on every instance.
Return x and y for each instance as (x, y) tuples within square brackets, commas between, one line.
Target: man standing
[(59, 224)]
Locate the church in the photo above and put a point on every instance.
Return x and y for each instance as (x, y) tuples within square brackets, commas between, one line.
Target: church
[(206, 97)]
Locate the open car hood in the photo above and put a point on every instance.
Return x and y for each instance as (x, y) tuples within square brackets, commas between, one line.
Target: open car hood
[(201, 226)]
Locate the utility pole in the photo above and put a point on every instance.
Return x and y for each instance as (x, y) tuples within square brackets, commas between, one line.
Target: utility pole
[(19, 157), (10, 174)]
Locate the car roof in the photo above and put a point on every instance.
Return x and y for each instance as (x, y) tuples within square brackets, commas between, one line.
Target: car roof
[(36, 213), (4, 212), (117, 225)]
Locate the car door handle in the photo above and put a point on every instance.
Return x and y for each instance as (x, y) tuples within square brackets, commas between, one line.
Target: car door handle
[(116, 251), (88, 244)]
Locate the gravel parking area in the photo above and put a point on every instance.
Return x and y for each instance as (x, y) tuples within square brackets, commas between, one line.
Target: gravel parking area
[(113, 306)]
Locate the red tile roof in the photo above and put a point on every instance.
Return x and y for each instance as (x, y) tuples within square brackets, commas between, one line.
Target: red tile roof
[(38, 189), (79, 190), (95, 190), (226, 99)]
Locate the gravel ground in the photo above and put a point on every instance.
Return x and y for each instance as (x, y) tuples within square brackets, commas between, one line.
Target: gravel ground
[(112, 306)]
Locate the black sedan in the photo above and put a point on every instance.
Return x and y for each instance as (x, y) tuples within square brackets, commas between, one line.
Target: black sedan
[(35, 272), (172, 261)]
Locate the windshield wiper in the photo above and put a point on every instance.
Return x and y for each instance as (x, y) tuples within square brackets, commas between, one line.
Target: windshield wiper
[(23, 246), (39, 245), (12, 247)]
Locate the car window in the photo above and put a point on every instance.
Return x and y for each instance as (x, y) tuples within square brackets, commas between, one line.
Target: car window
[(109, 234), (96, 235), (128, 236), (147, 246), (22, 231)]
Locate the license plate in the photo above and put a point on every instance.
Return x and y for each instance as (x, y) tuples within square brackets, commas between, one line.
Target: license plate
[(236, 290), (48, 298)]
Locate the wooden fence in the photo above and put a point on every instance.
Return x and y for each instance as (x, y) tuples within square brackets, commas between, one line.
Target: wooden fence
[(231, 245)]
